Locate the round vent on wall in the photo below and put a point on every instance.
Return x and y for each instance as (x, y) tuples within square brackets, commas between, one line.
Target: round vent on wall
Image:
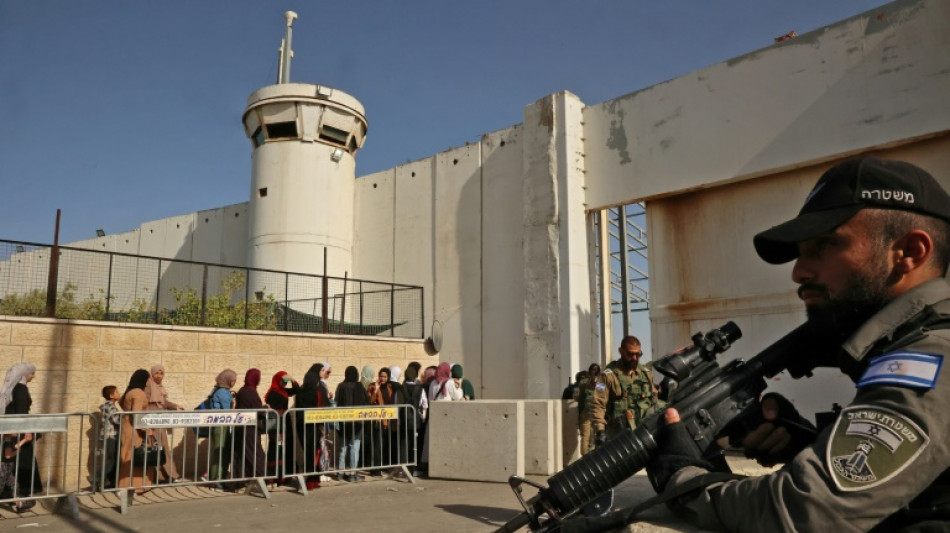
[(434, 342)]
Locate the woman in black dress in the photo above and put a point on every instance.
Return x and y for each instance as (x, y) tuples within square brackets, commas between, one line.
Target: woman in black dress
[(15, 400), (281, 447)]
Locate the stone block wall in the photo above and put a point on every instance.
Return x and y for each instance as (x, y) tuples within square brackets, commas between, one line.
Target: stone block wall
[(75, 359)]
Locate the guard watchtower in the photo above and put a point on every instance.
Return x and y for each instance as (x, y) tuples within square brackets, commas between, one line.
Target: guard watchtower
[(304, 139)]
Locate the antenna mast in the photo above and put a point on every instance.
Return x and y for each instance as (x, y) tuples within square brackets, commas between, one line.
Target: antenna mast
[(286, 52)]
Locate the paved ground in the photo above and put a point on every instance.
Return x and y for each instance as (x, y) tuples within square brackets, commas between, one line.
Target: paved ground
[(374, 505)]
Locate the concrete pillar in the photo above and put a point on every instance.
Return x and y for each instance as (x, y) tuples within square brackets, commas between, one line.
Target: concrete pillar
[(557, 314)]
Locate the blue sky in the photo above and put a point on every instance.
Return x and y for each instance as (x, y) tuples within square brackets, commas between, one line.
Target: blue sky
[(119, 112)]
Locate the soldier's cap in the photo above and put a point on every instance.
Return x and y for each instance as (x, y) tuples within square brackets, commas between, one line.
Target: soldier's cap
[(844, 190)]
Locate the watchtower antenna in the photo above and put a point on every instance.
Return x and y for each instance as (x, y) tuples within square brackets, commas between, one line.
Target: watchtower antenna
[(286, 52)]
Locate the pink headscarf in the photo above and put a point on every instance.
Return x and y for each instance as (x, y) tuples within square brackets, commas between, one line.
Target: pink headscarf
[(156, 392), (428, 375), (252, 378), (443, 373)]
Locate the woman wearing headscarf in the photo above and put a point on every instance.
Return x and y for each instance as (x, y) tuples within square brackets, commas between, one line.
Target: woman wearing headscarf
[(350, 393), (442, 388), (324, 376), (385, 441), (221, 398), (158, 401), (249, 458), (368, 379), (15, 399), (312, 394), (468, 390), (416, 397), (134, 399), (280, 446)]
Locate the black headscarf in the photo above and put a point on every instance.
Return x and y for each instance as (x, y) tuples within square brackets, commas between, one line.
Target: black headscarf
[(351, 393), (311, 388)]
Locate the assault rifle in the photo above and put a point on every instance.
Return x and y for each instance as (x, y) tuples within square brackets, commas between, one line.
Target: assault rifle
[(709, 399)]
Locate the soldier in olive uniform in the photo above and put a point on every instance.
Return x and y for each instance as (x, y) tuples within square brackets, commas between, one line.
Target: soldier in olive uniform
[(627, 394), (871, 248)]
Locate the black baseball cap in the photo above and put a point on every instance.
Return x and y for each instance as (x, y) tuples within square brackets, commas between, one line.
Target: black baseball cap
[(844, 190)]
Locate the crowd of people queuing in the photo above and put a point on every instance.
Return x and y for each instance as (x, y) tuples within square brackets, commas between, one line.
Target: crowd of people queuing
[(239, 452)]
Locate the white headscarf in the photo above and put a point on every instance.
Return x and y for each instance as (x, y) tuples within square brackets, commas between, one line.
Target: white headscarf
[(394, 374), (16, 374), (326, 366)]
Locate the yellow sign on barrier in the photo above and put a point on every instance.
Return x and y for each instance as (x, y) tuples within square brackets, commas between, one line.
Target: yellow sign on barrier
[(356, 414)]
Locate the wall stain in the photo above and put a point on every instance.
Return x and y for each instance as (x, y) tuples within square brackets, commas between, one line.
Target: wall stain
[(617, 140), (546, 116)]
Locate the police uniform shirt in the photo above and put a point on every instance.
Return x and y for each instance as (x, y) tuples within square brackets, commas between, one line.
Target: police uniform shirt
[(886, 449)]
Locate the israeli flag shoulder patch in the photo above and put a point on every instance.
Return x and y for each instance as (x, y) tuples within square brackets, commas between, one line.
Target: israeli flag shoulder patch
[(904, 368)]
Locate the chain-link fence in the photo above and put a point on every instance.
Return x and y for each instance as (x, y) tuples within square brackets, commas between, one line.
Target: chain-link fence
[(98, 285)]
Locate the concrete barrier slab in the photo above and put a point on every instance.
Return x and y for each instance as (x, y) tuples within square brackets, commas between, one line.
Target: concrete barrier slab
[(481, 440)]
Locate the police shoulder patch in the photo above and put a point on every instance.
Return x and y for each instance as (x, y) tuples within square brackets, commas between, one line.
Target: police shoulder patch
[(870, 445), (904, 368)]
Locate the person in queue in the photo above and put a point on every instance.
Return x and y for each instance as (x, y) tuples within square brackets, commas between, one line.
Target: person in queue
[(132, 474), (15, 399), (158, 401), (871, 247)]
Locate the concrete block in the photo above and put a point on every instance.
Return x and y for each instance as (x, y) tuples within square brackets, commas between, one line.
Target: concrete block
[(269, 364), (541, 436), (96, 359), (175, 341), (256, 344), (570, 437), (216, 362), (302, 363), (354, 349), (293, 346), (126, 339), (217, 342), (197, 385), (183, 362), (81, 336), (327, 348), (481, 440), (395, 352), (36, 334), (53, 358), (10, 355), (130, 360), (416, 351), (6, 330)]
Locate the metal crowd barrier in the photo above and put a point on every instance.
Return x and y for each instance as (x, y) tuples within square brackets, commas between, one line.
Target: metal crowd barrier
[(45, 456), (222, 448), (344, 441), (50, 454)]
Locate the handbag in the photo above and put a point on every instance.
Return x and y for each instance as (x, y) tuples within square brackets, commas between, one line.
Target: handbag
[(148, 456)]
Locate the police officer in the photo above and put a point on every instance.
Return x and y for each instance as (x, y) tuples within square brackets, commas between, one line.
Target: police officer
[(627, 394), (871, 247)]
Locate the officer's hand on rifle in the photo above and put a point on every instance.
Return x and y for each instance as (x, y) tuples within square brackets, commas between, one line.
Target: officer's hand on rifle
[(675, 451), (780, 434), (600, 438)]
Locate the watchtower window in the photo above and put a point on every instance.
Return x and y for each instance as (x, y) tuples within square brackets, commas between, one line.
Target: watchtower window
[(282, 130), (258, 137), (334, 135)]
